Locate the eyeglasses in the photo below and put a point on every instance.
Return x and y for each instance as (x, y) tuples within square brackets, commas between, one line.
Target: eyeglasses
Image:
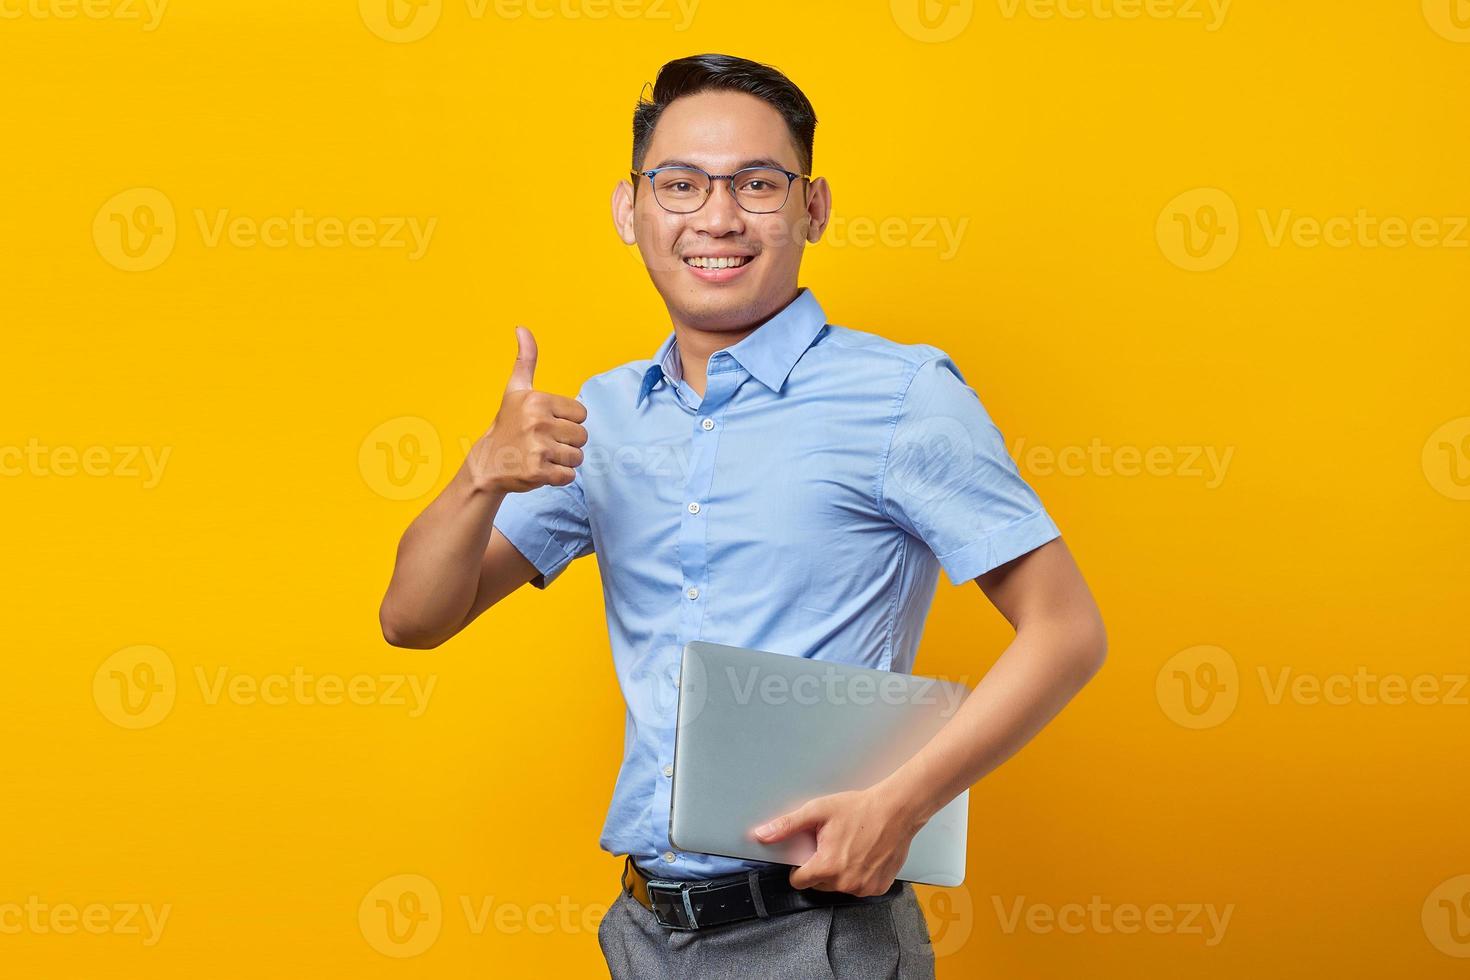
[(683, 190)]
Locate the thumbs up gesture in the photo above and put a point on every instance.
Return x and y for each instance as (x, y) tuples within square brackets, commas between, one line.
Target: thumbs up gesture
[(537, 437)]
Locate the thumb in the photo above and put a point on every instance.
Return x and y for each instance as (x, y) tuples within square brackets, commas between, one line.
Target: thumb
[(525, 366), (803, 817)]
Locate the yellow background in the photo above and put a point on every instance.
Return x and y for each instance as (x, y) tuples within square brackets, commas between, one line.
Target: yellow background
[(1335, 540)]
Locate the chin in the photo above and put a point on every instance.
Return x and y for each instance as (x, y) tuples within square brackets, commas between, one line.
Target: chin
[(719, 312)]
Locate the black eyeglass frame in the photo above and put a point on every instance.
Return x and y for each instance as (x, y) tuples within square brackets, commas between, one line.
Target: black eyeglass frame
[(650, 174)]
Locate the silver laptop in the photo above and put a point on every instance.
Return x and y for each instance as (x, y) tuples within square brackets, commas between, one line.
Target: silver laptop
[(761, 733)]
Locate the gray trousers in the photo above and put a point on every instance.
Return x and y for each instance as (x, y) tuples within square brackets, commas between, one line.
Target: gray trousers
[(886, 940)]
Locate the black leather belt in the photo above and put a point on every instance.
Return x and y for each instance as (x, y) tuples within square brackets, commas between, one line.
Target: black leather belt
[(706, 902)]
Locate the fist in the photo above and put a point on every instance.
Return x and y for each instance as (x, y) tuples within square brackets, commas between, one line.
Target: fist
[(537, 437)]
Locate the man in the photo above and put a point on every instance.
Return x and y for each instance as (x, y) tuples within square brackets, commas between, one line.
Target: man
[(766, 480)]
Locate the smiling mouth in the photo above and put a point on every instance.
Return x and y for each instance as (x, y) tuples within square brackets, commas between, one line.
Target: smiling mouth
[(725, 262)]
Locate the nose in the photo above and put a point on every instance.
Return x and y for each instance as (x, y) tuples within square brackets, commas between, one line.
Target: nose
[(721, 215)]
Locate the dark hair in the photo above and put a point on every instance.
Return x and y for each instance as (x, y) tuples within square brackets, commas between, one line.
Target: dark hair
[(723, 72)]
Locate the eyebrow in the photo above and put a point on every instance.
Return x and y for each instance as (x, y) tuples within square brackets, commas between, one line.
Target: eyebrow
[(757, 162)]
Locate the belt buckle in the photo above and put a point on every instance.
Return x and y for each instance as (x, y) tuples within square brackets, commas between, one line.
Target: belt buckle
[(671, 904)]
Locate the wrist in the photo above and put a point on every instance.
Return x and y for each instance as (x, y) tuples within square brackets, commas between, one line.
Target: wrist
[(905, 801), (479, 485)]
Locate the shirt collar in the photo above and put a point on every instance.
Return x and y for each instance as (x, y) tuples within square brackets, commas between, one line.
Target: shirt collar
[(769, 352)]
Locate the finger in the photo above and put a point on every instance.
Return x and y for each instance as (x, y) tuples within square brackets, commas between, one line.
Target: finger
[(564, 455), (568, 433), (804, 816), (524, 371), (559, 476), (811, 875), (567, 408)]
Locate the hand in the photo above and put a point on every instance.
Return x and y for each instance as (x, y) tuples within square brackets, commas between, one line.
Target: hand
[(863, 837), (537, 437)]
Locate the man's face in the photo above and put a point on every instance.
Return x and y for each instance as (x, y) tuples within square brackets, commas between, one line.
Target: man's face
[(722, 132)]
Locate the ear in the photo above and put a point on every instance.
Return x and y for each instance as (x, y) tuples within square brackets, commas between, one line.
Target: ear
[(622, 212), (818, 209)]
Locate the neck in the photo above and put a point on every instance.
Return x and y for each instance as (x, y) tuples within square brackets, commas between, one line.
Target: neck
[(695, 345)]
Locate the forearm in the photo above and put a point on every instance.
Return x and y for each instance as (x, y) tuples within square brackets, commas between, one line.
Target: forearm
[(1039, 672), (437, 570)]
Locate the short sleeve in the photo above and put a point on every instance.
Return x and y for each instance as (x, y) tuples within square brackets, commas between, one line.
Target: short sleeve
[(948, 480), (549, 525)]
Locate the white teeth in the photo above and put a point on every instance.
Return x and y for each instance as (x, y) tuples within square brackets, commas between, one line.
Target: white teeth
[(702, 262)]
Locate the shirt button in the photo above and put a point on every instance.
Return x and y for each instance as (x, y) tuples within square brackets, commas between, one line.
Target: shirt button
[(668, 770), (707, 424), (693, 593), (669, 856), (694, 507)]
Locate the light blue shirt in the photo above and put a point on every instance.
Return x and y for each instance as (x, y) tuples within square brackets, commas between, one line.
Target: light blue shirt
[(804, 505)]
